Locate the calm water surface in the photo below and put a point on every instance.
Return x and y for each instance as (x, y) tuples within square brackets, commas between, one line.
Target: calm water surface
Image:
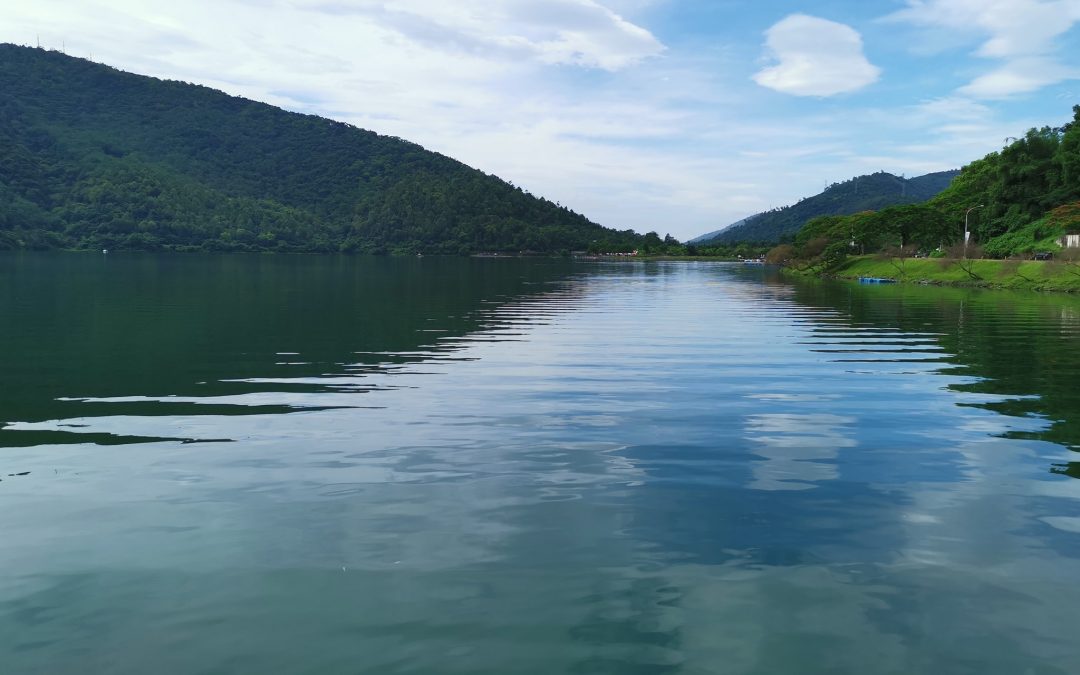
[(244, 464)]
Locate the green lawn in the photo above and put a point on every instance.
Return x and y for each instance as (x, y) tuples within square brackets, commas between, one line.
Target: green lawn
[(1035, 275)]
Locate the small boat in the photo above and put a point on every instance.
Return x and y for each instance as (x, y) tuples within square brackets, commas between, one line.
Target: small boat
[(876, 280)]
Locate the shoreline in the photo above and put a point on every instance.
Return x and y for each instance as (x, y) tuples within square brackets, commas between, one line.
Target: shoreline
[(1031, 275)]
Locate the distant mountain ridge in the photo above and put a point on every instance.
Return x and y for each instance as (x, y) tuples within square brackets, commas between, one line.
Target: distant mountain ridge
[(862, 193), (715, 233), (93, 157), (1020, 201)]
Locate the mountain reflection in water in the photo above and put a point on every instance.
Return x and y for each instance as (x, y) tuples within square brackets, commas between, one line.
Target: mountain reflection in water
[(342, 465)]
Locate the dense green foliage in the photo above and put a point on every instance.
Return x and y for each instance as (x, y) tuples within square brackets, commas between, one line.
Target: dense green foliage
[(652, 245), (863, 193), (1020, 184), (1019, 201), (92, 157), (918, 225)]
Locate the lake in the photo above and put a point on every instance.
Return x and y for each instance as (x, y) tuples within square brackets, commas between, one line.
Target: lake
[(304, 464)]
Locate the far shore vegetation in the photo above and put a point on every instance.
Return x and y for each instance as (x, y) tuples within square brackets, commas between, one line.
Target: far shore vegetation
[(1009, 219), (94, 158)]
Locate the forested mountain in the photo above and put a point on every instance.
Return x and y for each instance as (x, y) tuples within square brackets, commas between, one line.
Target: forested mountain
[(1021, 200), (864, 193), (92, 157), (715, 233)]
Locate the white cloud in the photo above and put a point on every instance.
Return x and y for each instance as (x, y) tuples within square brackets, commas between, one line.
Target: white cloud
[(1015, 27), (1019, 76), (473, 80), (555, 32), (816, 57), (952, 108), (566, 98), (1020, 33)]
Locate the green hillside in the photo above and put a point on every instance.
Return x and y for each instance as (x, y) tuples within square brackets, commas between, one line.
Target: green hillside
[(1021, 200), (92, 157), (864, 193)]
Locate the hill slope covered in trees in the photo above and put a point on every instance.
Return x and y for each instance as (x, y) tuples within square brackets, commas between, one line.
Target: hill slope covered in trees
[(92, 157), (863, 193), (1021, 200)]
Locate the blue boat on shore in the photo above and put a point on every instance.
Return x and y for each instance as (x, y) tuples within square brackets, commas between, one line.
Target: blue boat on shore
[(876, 280)]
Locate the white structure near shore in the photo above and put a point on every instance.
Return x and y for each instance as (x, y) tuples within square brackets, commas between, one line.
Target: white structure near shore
[(1069, 241)]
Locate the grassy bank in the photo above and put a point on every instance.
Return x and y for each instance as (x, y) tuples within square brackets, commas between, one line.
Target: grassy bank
[(1030, 275)]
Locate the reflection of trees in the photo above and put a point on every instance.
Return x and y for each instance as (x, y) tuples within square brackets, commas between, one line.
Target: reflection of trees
[(535, 537), (1019, 346), (174, 328)]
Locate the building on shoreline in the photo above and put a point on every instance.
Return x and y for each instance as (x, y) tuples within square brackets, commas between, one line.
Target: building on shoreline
[(1071, 240)]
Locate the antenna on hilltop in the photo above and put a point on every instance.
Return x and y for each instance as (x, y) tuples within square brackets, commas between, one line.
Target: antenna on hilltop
[(39, 40)]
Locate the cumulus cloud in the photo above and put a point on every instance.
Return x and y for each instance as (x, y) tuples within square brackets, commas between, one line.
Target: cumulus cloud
[(1020, 33), (815, 57)]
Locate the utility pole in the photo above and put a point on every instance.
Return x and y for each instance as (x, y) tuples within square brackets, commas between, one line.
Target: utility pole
[(967, 232)]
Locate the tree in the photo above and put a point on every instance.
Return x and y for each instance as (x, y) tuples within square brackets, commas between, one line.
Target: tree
[(651, 243), (814, 247), (963, 257), (834, 255), (97, 156), (897, 256), (783, 254)]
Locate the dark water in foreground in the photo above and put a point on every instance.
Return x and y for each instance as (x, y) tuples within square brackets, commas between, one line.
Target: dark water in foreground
[(319, 465)]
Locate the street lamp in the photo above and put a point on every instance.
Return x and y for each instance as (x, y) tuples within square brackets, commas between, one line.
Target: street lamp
[(967, 232)]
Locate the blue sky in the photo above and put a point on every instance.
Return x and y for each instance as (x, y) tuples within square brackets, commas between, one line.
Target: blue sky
[(679, 116)]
